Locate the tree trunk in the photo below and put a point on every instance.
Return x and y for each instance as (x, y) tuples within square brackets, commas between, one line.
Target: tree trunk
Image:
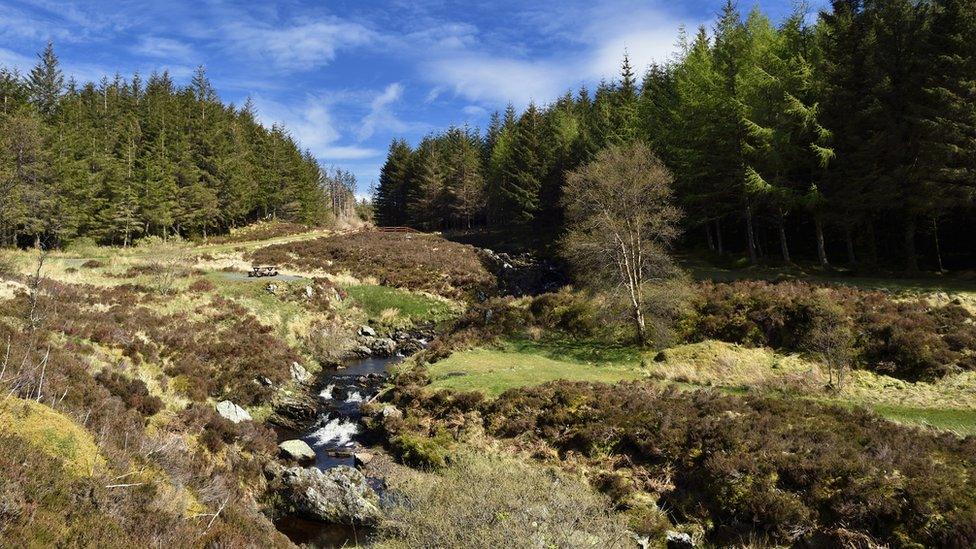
[(849, 242), (750, 236), (718, 237), (640, 325), (938, 249), (911, 257), (821, 248), (784, 247), (708, 237), (872, 244)]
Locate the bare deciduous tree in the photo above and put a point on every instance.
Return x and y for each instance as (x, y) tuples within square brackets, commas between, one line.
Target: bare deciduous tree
[(621, 223), (831, 341)]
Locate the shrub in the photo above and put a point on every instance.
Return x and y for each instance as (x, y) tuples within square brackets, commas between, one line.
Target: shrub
[(479, 502), (412, 261), (422, 451), (789, 471), (132, 391), (93, 264), (201, 285), (908, 339)]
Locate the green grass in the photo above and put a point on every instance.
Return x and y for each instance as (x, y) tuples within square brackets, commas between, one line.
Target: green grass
[(703, 269), (522, 363), (962, 422), (727, 368), (379, 301)]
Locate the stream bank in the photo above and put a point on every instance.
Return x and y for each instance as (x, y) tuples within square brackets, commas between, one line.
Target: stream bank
[(327, 417)]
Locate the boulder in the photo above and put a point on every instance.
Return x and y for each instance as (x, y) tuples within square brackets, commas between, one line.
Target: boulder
[(297, 450), (362, 459), (391, 412), (367, 331), (232, 411), (679, 540), (339, 495), (382, 346), (299, 373)]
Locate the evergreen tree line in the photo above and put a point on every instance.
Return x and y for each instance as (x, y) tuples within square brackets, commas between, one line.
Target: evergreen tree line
[(852, 140), (127, 158)]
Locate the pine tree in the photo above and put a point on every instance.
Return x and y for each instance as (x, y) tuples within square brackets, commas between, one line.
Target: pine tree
[(524, 169), (427, 186), (390, 199), (46, 81)]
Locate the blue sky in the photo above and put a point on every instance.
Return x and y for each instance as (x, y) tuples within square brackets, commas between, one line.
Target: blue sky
[(346, 77)]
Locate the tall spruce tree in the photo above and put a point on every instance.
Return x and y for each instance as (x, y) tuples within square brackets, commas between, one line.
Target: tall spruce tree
[(46, 81)]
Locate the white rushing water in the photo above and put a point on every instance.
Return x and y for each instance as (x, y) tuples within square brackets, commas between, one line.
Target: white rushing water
[(354, 397), (326, 393), (337, 432)]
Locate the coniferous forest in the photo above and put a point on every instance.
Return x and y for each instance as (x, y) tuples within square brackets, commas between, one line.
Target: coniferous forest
[(121, 159), (850, 140)]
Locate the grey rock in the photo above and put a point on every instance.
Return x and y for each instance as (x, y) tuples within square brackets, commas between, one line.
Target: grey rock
[(391, 412), (679, 540), (362, 459), (232, 411), (299, 373), (383, 346), (339, 495), (309, 292), (367, 331), (297, 450), (363, 351)]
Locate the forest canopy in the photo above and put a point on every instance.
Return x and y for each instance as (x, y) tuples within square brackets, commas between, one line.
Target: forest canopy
[(125, 158), (851, 139)]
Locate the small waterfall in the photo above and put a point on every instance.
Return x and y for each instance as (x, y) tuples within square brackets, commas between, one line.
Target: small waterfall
[(336, 432)]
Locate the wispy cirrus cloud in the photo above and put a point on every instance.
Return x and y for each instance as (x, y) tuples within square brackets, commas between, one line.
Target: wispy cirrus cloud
[(310, 121), (164, 48), (380, 113), (298, 47)]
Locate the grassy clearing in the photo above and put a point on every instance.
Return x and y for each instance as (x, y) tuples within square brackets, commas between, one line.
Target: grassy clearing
[(52, 433), (393, 305), (949, 403), (702, 269), (521, 363)]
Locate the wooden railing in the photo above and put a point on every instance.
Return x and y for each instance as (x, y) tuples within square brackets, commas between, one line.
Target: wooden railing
[(397, 230)]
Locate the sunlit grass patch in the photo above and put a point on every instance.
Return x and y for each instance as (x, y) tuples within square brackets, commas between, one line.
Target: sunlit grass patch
[(392, 305), (52, 433), (518, 364)]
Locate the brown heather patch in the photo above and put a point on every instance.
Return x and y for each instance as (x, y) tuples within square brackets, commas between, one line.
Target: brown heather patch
[(907, 339), (413, 261), (169, 471), (260, 231), (788, 472)]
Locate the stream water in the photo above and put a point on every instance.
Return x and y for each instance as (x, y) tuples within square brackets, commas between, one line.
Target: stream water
[(335, 437)]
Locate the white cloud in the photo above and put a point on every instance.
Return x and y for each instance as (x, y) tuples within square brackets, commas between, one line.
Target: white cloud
[(381, 115), (300, 47), (474, 111), (585, 47), (481, 77), (13, 60), (164, 48), (312, 125)]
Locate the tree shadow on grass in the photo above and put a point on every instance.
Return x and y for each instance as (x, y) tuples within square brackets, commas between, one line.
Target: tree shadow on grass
[(579, 350)]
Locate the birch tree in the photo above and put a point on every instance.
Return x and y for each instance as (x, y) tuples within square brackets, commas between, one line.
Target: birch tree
[(621, 224)]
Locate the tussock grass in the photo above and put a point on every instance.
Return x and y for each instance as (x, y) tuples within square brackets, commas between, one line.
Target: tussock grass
[(52, 433), (522, 363), (487, 502), (395, 307)]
